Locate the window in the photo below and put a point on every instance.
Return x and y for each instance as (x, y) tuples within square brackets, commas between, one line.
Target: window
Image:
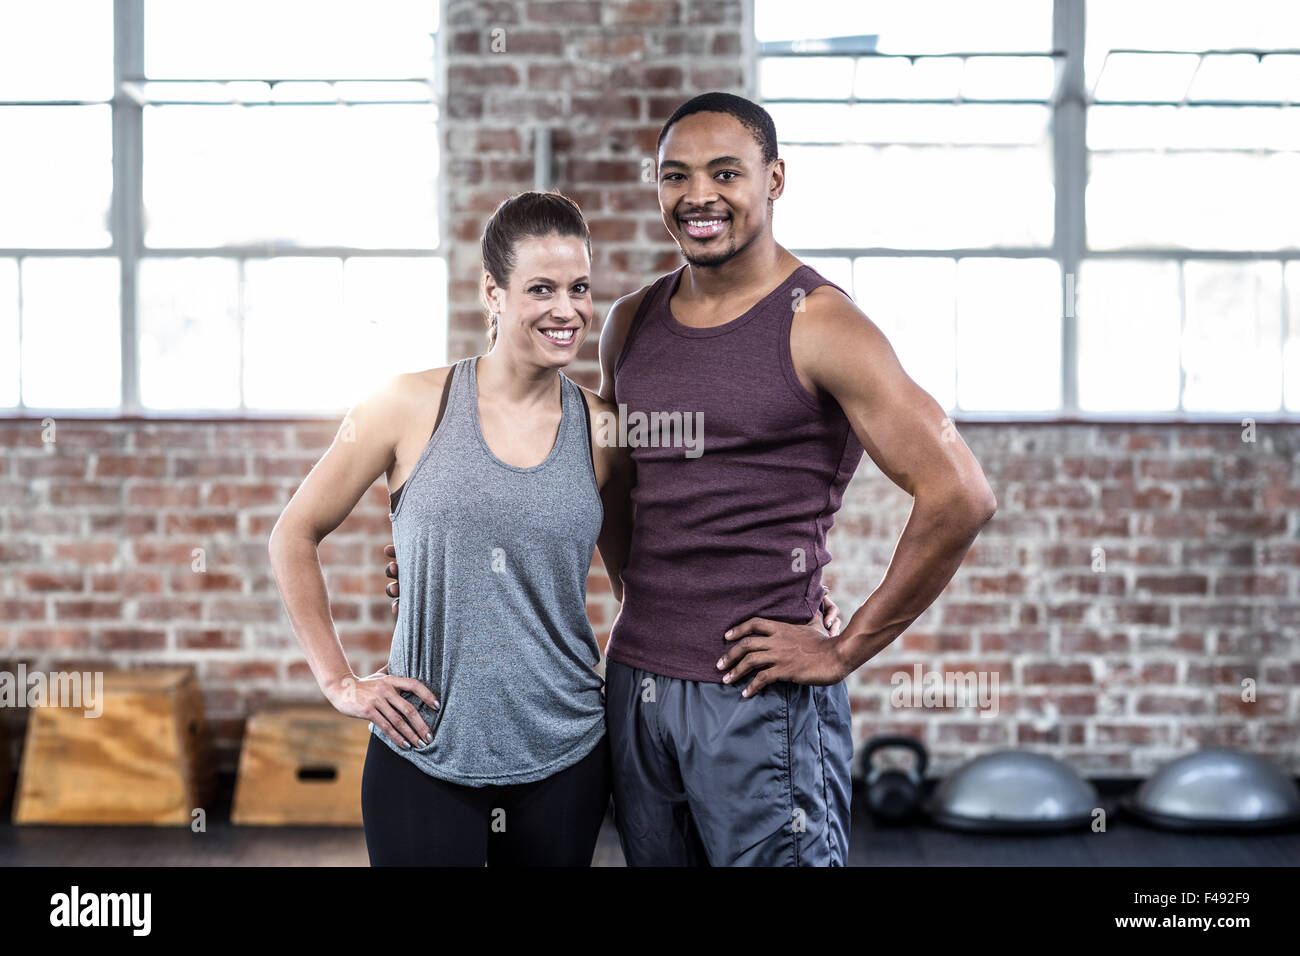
[(1089, 197), (249, 226)]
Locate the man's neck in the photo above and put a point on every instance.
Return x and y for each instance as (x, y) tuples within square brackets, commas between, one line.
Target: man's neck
[(758, 266)]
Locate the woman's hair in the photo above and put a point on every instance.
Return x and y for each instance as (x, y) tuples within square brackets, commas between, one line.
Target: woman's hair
[(527, 215)]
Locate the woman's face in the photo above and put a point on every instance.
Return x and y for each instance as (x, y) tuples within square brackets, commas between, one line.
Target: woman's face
[(545, 309)]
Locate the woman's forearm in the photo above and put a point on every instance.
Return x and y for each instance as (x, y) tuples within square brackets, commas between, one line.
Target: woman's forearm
[(616, 534), (296, 566)]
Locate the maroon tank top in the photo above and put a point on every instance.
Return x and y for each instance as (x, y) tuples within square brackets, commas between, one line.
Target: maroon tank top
[(734, 527)]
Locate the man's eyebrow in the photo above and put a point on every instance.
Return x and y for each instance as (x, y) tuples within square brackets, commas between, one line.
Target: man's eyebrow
[(720, 161)]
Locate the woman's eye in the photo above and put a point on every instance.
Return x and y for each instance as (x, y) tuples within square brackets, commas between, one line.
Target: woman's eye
[(536, 287)]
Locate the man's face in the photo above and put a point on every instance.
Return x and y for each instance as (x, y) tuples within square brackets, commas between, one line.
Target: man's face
[(715, 191)]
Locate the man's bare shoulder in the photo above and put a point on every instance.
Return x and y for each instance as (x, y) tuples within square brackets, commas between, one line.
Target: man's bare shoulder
[(621, 313)]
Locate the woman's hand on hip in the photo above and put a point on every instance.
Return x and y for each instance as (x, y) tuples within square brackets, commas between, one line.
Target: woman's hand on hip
[(379, 699)]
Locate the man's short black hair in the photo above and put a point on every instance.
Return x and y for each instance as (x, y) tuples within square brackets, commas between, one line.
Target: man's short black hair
[(752, 116)]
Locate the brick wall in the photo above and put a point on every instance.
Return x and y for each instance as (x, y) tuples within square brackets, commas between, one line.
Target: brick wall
[(1115, 669)]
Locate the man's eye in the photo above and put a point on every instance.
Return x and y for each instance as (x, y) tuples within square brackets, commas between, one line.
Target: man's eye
[(581, 286), (728, 172)]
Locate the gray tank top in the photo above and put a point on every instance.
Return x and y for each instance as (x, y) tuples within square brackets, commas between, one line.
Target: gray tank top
[(492, 568)]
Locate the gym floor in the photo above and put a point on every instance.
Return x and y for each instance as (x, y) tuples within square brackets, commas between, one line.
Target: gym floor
[(1126, 843)]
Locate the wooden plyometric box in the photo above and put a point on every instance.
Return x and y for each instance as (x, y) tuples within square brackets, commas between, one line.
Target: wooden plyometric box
[(301, 765), (145, 760)]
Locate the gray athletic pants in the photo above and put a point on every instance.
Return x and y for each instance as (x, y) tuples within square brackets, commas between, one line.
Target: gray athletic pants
[(705, 777)]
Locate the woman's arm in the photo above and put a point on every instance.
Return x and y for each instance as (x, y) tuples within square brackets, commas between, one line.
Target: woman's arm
[(616, 476), (363, 449), (616, 531)]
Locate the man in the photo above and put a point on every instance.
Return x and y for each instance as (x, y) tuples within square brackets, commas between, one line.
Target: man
[(726, 706)]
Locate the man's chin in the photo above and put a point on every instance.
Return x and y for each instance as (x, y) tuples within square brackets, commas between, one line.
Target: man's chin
[(708, 260)]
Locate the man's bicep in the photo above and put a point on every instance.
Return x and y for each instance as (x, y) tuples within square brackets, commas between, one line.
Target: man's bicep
[(900, 425)]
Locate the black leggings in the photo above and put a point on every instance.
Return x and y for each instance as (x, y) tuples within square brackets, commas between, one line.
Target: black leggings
[(414, 819)]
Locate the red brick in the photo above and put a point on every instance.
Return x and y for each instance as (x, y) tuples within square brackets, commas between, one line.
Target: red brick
[(86, 552), (210, 638), (21, 609), (53, 638), (127, 582), (656, 13), (72, 493), (131, 639), (164, 552), (168, 609), (1053, 673), (565, 13), (230, 495), (185, 581), (129, 466), (201, 524), (14, 552), (210, 466), (52, 581), (51, 466), (86, 610)]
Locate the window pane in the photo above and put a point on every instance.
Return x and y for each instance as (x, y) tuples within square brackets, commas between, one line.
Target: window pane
[(914, 303), (979, 124), (358, 176), (320, 336), (1187, 25), (915, 197), (929, 78), (918, 26), (1194, 127), (56, 189), (189, 333), (320, 39), (1233, 337), (1009, 334), (56, 50), (1146, 76), (71, 333), (397, 317), (294, 334), (1193, 200), (1237, 76), (8, 332), (1128, 321), (816, 77), (1009, 78)]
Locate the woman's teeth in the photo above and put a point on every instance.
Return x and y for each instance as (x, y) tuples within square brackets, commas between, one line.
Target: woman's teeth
[(559, 336)]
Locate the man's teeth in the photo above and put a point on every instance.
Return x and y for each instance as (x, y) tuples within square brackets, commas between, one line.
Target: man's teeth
[(564, 336), (702, 223)]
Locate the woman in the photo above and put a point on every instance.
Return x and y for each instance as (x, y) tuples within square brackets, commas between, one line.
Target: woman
[(487, 738)]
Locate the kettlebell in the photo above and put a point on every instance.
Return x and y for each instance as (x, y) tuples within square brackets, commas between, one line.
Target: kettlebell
[(893, 795)]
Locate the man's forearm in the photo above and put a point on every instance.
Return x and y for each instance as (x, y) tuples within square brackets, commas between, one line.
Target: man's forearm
[(296, 566), (929, 552)]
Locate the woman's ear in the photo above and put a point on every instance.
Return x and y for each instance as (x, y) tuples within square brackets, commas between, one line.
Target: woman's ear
[(493, 295)]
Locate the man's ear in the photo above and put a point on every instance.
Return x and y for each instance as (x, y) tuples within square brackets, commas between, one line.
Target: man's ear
[(777, 183)]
